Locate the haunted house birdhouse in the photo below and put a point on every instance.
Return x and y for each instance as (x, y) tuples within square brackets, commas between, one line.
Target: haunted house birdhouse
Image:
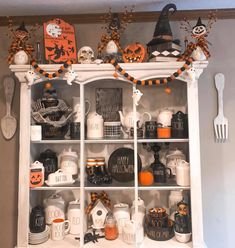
[(162, 47), (98, 214)]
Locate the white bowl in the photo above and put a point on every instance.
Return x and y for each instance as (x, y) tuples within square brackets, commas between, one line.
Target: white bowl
[(183, 237)]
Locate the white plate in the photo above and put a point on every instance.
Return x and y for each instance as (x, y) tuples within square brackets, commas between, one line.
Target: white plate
[(45, 232), (59, 184)]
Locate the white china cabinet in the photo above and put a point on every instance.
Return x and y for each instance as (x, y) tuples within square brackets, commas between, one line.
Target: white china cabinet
[(89, 77)]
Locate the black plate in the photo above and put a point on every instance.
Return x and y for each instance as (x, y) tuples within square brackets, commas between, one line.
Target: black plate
[(121, 164)]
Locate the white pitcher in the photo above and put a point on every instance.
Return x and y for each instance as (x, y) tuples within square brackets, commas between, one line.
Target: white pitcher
[(183, 173), (77, 108)]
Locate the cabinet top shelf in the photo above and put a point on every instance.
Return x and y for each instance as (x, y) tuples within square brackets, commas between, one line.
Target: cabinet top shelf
[(89, 72)]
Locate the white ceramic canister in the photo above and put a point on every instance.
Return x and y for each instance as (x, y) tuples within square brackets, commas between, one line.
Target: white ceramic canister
[(173, 158), (183, 173), (95, 126), (68, 161), (164, 117), (141, 211), (74, 217), (122, 214), (174, 197), (131, 232), (54, 208)]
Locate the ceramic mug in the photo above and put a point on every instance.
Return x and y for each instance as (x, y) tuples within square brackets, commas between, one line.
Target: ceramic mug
[(36, 132), (59, 229)]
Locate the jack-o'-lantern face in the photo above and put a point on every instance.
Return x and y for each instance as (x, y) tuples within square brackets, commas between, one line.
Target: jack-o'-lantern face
[(199, 30), (36, 179), (183, 208), (134, 53)]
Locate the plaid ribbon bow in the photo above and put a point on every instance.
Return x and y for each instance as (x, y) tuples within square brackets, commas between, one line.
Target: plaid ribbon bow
[(103, 196)]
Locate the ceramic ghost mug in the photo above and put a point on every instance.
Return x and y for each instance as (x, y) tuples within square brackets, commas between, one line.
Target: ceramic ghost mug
[(59, 229)]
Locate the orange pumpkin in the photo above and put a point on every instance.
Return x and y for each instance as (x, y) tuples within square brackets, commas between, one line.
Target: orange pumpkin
[(134, 53), (36, 178), (146, 178)]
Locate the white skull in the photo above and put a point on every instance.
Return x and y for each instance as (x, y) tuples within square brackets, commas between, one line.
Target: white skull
[(86, 55)]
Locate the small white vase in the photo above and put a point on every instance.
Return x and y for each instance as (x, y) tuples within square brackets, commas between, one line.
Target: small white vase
[(21, 58)]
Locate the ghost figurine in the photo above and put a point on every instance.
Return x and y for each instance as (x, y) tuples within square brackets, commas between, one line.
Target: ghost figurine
[(70, 76), (137, 94), (191, 73), (86, 55), (31, 76)]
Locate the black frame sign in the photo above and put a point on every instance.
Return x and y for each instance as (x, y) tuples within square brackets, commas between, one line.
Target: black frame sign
[(121, 164), (108, 103)]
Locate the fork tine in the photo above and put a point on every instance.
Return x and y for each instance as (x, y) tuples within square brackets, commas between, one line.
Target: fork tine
[(219, 131), (226, 128), (216, 132)]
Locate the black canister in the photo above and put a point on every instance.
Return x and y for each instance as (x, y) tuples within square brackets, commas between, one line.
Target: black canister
[(179, 125), (50, 162), (159, 170), (75, 130), (151, 129), (37, 221)]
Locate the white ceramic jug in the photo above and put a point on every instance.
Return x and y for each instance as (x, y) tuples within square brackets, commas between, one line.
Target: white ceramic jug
[(54, 208), (68, 161), (74, 217), (183, 173), (121, 213), (139, 218), (95, 126), (77, 108)]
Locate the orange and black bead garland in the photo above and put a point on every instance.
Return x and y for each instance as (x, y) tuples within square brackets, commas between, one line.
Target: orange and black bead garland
[(39, 70)]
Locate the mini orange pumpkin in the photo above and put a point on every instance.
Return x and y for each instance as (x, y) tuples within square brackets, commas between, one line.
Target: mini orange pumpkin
[(134, 53), (146, 178), (36, 178)]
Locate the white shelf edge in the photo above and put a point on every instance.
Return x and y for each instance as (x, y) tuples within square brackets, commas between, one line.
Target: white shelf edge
[(56, 142), (163, 188), (107, 188), (55, 188), (109, 141), (162, 140)]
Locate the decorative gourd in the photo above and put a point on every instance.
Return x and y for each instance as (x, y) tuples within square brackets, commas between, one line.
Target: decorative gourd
[(134, 53), (146, 178)]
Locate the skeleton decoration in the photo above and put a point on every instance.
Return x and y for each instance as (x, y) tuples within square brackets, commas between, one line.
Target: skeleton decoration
[(134, 53), (31, 76), (86, 55), (137, 94), (198, 50), (70, 76)]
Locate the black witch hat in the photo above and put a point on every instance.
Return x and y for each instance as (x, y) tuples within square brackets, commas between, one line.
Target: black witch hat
[(199, 23), (162, 31), (22, 28)]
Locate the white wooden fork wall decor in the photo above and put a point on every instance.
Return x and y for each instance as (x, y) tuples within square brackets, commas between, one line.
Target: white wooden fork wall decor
[(220, 122)]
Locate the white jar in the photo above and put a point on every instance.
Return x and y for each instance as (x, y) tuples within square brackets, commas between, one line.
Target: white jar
[(74, 217), (68, 161), (131, 232), (54, 208), (183, 174), (122, 214), (174, 197), (141, 211), (95, 126)]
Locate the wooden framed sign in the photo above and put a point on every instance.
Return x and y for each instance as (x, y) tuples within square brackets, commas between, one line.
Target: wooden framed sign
[(59, 41), (108, 103)]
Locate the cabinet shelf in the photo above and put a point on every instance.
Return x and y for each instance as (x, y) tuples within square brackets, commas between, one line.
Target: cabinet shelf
[(113, 186), (109, 141), (167, 187), (162, 140), (75, 185), (63, 142)]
